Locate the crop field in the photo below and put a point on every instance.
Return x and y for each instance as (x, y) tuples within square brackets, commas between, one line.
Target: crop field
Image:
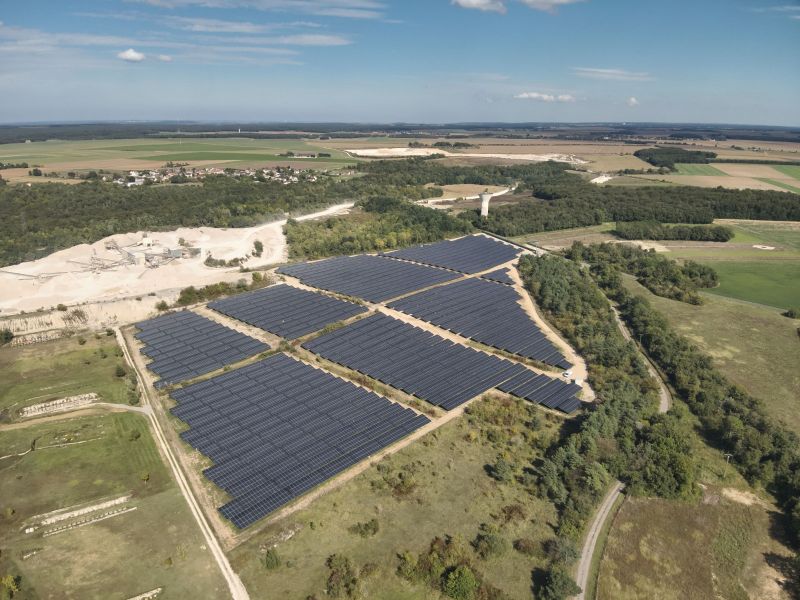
[(56, 369), (81, 156), (697, 169), (754, 346), (438, 486), (792, 171), (78, 463), (772, 283)]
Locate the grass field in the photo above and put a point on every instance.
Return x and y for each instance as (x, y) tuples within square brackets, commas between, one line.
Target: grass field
[(59, 368), (86, 460), (697, 169), (770, 277), (688, 551), (754, 346), (446, 492)]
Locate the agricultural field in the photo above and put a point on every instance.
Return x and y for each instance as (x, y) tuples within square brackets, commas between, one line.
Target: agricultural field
[(116, 155), (754, 346), (147, 539), (59, 368), (438, 486), (734, 175), (697, 169)]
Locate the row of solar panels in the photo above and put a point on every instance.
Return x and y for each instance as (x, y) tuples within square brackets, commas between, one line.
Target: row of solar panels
[(287, 311), (184, 345), (279, 427), (470, 254), (416, 361), (486, 312)]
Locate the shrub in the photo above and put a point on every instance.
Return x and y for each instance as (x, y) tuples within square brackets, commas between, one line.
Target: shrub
[(120, 371), (558, 585), (525, 546), (367, 529), (489, 543), (792, 313), (5, 336), (342, 580), (162, 306), (271, 560), (61, 307)]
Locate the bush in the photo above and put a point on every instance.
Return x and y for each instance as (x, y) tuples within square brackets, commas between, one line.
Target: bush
[(367, 529), (271, 560), (61, 307), (162, 306), (342, 579), (526, 546), (489, 543), (5, 336), (792, 313), (120, 371)]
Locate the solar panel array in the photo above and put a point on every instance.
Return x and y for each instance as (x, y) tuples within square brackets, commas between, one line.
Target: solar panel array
[(471, 254), (413, 360), (184, 345), (374, 278), (540, 389), (486, 312), (500, 276), (287, 311), (279, 427)]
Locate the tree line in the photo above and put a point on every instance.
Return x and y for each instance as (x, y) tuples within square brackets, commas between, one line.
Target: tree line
[(653, 230), (764, 451)]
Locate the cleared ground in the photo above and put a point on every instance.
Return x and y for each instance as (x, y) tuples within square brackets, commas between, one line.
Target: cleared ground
[(59, 368), (79, 462), (754, 346), (435, 487)]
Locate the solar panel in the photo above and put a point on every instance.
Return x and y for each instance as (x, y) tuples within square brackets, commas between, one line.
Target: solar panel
[(279, 427), (287, 311), (470, 254), (184, 345), (486, 312), (374, 278), (499, 276), (413, 360)]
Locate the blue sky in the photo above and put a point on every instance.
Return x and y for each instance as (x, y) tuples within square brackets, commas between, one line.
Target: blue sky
[(432, 61)]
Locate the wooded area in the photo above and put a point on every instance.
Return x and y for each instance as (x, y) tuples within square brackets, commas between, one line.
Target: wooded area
[(653, 230), (667, 157)]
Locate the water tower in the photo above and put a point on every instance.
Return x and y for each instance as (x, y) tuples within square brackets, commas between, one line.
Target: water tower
[(485, 197)]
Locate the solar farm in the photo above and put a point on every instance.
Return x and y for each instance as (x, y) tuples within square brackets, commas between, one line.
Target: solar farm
[(278, 427), (486, 312), (287, 311), (185, 345)]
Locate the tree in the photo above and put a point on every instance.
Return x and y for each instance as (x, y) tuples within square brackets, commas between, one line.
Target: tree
[(558, 585), (461, 583), (258, 248), (6, 336)]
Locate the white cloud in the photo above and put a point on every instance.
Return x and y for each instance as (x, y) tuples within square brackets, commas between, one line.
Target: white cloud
[(131, 55), (348, 9), (311, 39), (632, 101), (484, 5), (611, 74), (164, 58), (499, 6), (540, 97), (215, 25), (548, 5)]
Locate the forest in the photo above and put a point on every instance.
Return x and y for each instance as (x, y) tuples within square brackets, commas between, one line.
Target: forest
[(384, 223), (653, 230), (667, 157), (40, 219), (621, 435), (659, 274)]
